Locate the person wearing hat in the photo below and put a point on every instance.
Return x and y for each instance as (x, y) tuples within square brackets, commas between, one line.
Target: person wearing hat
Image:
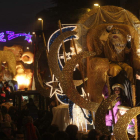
[(122, 110), (121, 99), (120, 91)]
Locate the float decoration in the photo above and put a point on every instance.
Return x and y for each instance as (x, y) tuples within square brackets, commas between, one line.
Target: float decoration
[(23, 76), (53, 53), (122, 123), (2, 37), (95, 21), (67, 84), (12, 35), (7, 56), (101, 112)]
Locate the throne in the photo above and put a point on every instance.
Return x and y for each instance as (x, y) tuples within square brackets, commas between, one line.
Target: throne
[(100, 69)]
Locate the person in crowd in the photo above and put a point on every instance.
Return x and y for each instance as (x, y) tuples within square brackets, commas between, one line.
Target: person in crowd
[(53, 128), (61, 135), (32, 109), (72, 131), (14, 113), (122, 98), (4, 110), (7, 118), (1, 117), (5, 133), (47, 136), (29, 130), (93, 135), (44, 123)]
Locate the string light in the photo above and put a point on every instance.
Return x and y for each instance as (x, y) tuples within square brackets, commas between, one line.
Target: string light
[(1, 37), (55, 35), (12, 35), (62, 98)]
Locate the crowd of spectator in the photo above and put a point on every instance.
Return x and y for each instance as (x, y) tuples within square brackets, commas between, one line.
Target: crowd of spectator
[(36, 125)]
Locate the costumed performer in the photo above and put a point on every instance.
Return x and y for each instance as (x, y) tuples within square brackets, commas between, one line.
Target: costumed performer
[(121, 99)]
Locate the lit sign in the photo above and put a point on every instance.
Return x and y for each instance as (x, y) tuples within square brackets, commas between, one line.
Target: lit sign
[(12, 35)]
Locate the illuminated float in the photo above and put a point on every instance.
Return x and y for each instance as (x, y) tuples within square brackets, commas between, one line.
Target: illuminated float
[(14, 54)]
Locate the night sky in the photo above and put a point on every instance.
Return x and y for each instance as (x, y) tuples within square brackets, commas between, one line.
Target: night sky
[(19, 15)]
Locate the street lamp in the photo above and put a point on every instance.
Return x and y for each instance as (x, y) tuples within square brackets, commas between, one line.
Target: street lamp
[(39, 18), (41, 22), (96, 5), (45, 44)]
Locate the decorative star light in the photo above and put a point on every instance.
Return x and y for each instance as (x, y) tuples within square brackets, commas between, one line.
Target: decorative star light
[(53, 84), (73, 50), (59, 89), (28, 37), (68, 56), (1, 37), (12, 35)]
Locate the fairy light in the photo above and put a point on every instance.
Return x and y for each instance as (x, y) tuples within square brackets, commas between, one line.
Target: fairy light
[(1, 37), (12, 35)]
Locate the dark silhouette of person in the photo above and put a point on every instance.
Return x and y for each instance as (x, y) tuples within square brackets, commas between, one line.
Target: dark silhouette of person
[(72, 131)]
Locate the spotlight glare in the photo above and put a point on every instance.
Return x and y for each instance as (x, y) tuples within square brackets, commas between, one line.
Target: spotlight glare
[(39, 18), (96, 4)]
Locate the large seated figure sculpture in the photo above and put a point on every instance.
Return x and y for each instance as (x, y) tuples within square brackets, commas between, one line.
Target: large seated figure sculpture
[(115, 52), (114, 56)]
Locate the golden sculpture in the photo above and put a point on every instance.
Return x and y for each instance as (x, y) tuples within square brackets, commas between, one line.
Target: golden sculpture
[(110, 47), (111, 54), (23, 76), (17, 50), (120, 129), (9, 58)]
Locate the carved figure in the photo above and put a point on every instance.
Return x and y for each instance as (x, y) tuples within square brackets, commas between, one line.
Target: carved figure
[(115, 53), (9, 58)]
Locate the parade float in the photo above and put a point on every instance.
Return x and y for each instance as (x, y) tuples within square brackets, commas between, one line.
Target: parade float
[(105, 48), (17, 57)]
